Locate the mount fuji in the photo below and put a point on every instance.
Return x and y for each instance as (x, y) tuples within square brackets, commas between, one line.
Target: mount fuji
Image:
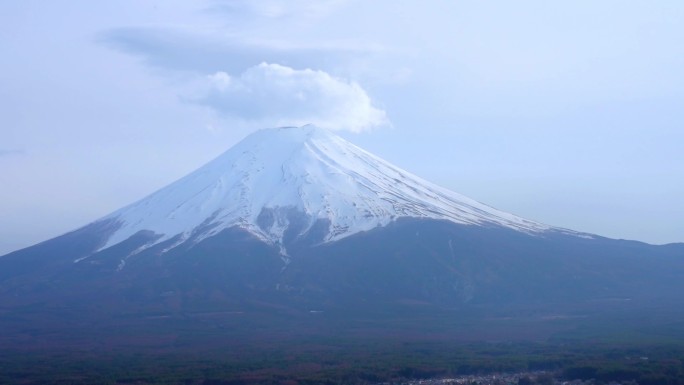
[(298, 220)]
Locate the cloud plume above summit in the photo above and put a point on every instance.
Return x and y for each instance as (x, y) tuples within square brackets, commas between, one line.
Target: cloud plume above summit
[(277, 95)]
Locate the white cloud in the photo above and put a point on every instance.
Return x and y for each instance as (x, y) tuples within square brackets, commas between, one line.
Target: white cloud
[(272, 94)]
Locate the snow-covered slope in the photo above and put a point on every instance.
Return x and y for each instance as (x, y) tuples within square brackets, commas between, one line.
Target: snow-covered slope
[(300, 169)]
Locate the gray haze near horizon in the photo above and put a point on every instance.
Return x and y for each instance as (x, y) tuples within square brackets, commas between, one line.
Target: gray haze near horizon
[(564, 113)]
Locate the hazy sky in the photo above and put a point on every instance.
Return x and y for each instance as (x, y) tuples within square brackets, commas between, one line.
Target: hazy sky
[(568, 113)]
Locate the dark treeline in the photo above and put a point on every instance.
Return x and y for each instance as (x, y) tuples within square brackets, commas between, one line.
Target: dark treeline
[(332, 362)]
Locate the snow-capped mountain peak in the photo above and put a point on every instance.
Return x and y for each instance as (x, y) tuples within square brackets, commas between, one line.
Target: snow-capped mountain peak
[(307, 174)]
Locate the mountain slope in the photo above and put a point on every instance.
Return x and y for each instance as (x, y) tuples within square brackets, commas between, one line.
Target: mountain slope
[(297, 221)]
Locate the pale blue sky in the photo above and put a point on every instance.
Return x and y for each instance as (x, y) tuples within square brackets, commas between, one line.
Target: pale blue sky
[(566, 113)]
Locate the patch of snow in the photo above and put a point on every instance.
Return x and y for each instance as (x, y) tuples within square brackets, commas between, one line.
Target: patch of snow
[(77, 260), (309, 170)]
